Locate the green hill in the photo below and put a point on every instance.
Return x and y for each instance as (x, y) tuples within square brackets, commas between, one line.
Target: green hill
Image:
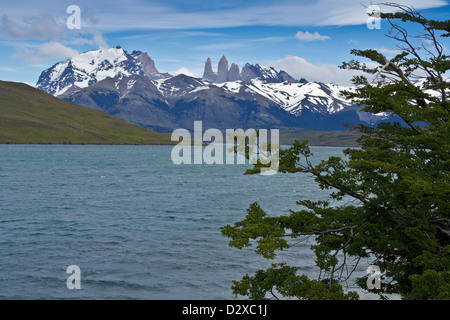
[(30, 116)]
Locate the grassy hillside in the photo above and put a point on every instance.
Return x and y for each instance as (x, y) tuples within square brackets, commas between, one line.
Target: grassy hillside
[(28, 115)]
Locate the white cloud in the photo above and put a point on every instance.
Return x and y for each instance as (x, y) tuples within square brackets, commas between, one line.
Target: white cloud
[(98, 38), (46, 27), (137, 14), (56, 50), (35, 27), (307, 36), (44, 37), (113, 15), (37, 54), (183, 71), (299, 67)]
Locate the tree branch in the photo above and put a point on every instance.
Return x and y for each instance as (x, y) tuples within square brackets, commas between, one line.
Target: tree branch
[(297, 234)]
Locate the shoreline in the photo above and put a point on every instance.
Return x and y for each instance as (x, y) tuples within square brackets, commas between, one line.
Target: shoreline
[(147, 144)]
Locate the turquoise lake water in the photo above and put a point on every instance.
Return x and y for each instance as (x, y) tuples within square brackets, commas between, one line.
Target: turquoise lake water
[(138, 226)]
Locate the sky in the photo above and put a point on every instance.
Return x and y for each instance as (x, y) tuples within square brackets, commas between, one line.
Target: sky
[(308, 39)]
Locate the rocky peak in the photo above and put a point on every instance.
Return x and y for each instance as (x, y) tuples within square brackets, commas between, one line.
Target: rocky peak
[(234, 74), (209, 74), (248, 73), (223, 73), (268, 74), (145, 62), (222, 70)]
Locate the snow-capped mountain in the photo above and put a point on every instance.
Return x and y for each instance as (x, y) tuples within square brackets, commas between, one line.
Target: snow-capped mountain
[(130, 86), (295, 97), (91, 67)]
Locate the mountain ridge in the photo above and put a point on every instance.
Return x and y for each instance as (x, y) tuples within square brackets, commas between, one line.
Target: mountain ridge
[(131, 87)]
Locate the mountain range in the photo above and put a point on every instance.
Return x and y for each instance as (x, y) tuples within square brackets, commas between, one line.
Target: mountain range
[(130, 86)]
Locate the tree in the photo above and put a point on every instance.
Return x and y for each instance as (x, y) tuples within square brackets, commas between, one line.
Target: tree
[(392, 193)]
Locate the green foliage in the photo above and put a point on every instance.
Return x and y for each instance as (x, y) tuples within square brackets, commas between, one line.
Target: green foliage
[(390, 196), (283, 280), (431, 285), (256, 226)]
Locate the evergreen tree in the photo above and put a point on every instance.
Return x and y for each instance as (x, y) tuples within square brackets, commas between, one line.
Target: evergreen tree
[(393, 192)]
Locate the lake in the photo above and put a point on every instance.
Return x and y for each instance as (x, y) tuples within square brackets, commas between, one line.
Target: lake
[(138, 226)]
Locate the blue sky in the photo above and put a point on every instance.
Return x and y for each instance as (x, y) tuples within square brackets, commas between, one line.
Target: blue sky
[(306, 38)]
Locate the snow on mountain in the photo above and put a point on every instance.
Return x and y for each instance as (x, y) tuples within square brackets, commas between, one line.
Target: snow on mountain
[(130, 85), (94, 66), (294, 97), (91, 67), (279, 87), (180, 85), (102, 63), (231, 86)]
